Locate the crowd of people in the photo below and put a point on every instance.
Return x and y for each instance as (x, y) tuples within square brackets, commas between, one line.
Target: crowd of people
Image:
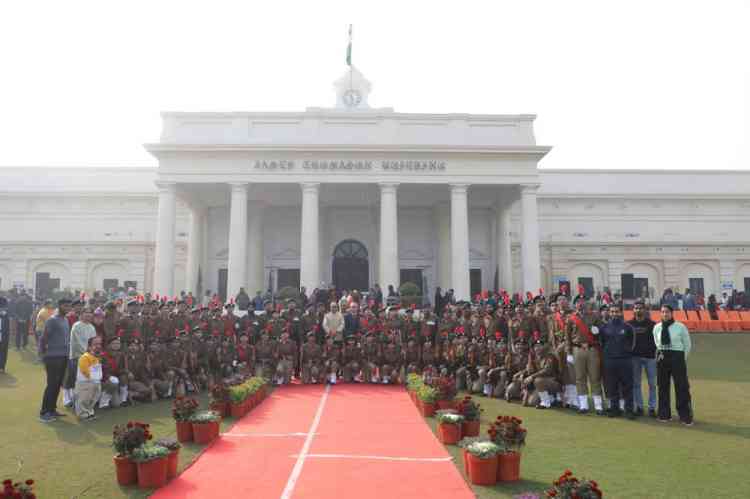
[(556, 351)]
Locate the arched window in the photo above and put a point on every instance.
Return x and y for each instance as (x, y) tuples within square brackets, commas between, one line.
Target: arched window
[(350, 249)]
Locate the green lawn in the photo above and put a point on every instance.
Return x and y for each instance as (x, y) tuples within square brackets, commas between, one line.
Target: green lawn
[(68, 459), (642, 459)]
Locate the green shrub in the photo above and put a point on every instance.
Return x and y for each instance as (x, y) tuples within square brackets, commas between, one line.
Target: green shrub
[(409, 289), (149, 452)]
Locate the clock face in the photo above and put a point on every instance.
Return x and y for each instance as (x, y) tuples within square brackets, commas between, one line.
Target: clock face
[(351, 98)]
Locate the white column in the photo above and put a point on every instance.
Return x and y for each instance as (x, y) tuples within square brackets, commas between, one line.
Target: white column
[(237, 258), (530, 259), (165, 248), (310, 242), (389, 265), (442, 215), (504, 255), (195, 248), (256, 275), (460, 242)]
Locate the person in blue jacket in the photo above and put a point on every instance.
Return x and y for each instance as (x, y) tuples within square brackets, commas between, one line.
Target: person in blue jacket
[(618, 340)]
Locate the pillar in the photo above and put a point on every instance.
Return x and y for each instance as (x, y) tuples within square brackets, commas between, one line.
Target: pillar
[(237, 259), (460, 242), (195, 248), (443, 231), (165, 239), (256, 275), (530, 258), (503, 211), (388, 260), (310, 237)]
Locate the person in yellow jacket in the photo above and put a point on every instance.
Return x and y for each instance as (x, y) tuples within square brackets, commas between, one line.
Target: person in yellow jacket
[(88, 387)]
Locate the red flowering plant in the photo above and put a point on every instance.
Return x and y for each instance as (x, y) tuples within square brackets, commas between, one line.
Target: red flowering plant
[(446, 387), (508, 433), (568, 486), (183, 408), (18, 490), (125, 439), (469, 409)]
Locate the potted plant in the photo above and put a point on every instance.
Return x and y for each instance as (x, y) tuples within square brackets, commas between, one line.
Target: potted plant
[(446, 392), (449, 427), (508, 433), (183, 409), (427, 398), (18, 490), (471, 411), (173, 446), (483, 462), (237, 396), (152, 465), (568, 486), (219, 399), (125, 440), (463, 444), (205, 426)]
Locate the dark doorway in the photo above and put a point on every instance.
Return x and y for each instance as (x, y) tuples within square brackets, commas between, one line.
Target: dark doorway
[(640, 285), (110, 284), (351, 267), (288, 278), (696, 285), (588, 286), (747, 284), (475, 281), (223, 285)]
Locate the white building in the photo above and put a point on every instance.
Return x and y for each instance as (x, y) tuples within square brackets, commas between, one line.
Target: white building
[(356, 196)]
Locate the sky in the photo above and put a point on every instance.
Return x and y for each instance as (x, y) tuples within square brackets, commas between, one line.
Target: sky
[(636, 84)]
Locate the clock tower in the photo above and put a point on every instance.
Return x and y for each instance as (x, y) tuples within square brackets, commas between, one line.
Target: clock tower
[(352, 90)]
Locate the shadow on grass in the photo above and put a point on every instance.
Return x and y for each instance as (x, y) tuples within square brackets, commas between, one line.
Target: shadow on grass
[(518, 487)]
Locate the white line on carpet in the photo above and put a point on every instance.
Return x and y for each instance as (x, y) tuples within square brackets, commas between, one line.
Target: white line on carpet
[(250, 435), (297, 470), (379, 458)]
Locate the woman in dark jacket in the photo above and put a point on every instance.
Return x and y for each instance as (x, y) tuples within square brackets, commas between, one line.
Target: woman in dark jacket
[(438, 302)]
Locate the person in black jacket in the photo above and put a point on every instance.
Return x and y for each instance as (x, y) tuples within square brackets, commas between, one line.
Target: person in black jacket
[(351, 321), (617, 340), (644, 357), (24, 309), (4, 332)]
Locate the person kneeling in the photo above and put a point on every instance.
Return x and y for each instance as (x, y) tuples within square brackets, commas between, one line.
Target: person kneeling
[(88, 385)]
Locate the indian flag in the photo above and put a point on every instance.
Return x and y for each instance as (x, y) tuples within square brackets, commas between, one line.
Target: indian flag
[(349, 48)]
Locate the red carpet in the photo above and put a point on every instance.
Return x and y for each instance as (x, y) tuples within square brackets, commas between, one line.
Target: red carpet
[(369, 441)]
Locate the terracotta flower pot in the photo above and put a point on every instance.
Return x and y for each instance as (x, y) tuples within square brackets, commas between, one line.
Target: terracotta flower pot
[(184, 431), (126, 470), (428, 409), (172, 461), (449, 434), (236, 410), (482, 471), (466, 461), (153, 474), (509, 467), (470, 428), (204, 433), (446, 404)]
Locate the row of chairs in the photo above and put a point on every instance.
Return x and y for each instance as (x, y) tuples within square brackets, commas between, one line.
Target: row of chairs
[(700, 320)]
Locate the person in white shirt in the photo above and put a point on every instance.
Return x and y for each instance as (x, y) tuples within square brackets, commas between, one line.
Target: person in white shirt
[(80, 333)]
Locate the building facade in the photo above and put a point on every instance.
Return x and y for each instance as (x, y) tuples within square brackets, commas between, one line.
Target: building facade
[(352, 196)]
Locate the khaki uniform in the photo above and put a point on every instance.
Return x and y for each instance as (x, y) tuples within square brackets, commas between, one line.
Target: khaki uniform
[(312, 363), (370, 362), (587, 360)]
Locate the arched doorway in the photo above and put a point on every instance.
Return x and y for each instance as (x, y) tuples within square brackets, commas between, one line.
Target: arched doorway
[(351, 267)]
